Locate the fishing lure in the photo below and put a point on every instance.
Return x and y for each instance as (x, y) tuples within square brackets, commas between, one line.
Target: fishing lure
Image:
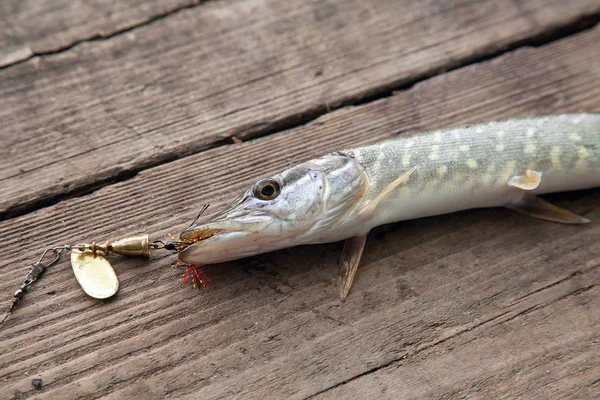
[(92, 270), (344, 194)]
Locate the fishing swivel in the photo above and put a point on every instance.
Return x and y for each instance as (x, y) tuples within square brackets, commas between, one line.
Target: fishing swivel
[(36, 271)]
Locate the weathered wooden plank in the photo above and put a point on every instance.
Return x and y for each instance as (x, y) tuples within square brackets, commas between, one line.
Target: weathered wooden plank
[(279, 330), (33, 27), (500, 357), (107, 109)]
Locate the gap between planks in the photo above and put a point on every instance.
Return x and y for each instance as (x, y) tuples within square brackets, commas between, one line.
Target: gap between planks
[(25, 56)]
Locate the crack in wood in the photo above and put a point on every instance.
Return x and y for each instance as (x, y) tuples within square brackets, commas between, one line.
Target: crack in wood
[(571, 275), (31, 54), (329, 317)]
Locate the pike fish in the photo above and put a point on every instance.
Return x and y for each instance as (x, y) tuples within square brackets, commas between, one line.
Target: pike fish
[(344, 194)]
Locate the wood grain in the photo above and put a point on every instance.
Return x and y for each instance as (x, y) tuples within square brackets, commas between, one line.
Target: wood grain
[(557, 362), (105, 110), (33, 27), (482, 299)]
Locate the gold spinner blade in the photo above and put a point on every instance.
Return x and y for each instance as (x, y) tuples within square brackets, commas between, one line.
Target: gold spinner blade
[(94, 273)]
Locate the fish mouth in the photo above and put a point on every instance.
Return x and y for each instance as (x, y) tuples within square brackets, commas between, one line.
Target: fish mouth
[(195, 238), (222, 240), (246, 224)]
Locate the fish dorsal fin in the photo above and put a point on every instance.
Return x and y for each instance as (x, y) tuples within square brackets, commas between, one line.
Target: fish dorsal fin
[(536, 207), (353, 248), (530, 181), (368, 210)]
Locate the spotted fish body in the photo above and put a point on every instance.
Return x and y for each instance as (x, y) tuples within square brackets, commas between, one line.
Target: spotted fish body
[(343, 195), (469, 167)]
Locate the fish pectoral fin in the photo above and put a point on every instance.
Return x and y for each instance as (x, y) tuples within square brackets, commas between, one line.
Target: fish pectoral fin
[(537, 207), (353, 248), (530, 181), (368, 210)]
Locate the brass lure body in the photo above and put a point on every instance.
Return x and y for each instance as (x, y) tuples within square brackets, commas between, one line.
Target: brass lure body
[(343, 195)]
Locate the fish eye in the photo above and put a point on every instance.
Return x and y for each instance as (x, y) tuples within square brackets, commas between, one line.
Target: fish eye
[(266, 189)]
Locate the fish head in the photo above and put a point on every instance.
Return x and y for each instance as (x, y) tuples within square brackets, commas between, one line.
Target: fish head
[(287, 209)]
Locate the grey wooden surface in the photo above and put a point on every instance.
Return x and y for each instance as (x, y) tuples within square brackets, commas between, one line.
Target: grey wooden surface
[(133, 133), (105, 109)]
